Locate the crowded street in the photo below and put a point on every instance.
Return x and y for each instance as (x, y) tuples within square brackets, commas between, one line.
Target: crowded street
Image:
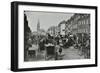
[(65, 40)]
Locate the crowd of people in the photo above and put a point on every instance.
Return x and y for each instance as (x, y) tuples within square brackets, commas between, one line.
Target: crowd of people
[(80, 41)]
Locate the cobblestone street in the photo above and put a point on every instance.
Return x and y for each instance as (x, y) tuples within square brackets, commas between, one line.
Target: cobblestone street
[(67, 54), (72, 53)]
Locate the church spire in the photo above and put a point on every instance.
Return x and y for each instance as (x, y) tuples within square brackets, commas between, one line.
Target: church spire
[(38, 25)]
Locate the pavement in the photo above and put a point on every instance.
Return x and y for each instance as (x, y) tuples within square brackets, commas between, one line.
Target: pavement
[(67, 54), (71, 53)]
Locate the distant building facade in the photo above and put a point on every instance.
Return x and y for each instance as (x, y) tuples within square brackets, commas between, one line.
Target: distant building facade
[(61, 26), (53, 30), (78, 23)]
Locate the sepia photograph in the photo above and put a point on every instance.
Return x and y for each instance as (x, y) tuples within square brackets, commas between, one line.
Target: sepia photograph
[(56, 36)]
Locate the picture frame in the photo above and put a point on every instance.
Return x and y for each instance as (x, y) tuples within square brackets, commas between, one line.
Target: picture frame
[(27, 14)]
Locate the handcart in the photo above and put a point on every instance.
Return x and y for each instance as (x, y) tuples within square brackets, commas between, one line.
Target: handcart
[(50, 51), (33, 51)]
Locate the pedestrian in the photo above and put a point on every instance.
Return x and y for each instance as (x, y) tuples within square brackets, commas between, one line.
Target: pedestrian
[(56, 56), (60, 50)]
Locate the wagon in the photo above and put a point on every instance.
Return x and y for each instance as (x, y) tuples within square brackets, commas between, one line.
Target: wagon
[(33, 51), (50, 51)]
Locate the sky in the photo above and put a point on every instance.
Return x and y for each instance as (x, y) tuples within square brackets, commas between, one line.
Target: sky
[(46, 19)]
